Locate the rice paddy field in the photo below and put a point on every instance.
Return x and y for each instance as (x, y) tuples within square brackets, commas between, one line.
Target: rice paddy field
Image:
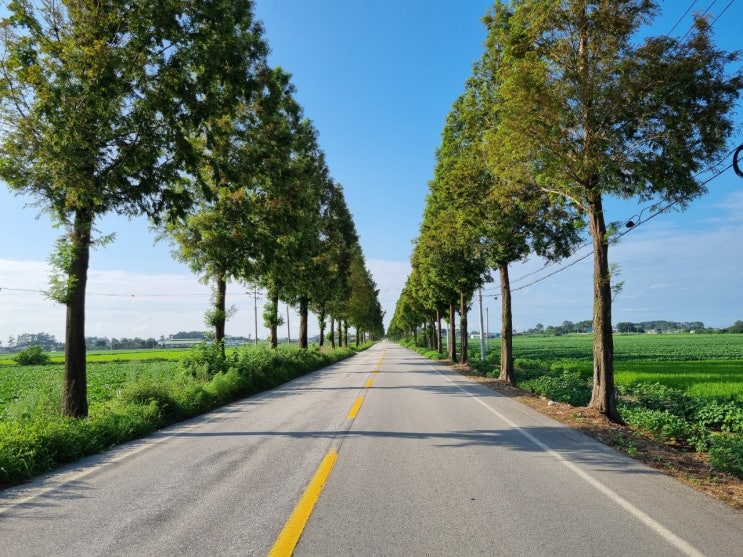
[(708, 365)]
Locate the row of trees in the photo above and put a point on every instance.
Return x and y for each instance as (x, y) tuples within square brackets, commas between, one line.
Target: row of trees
[(170, 110), (566, 107)]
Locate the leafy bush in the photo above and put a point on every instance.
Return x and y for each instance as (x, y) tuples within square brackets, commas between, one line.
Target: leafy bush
[(32, 356), (725, 416), (666, 426), (726, 453), (569, 387), (660, 397)]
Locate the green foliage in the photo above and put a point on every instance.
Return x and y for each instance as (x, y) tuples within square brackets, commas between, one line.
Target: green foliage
[(32, 356), (568, 387), (726, 453)]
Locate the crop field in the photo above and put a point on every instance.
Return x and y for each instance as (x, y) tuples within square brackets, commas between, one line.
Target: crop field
[(36, 385), (701, 364)]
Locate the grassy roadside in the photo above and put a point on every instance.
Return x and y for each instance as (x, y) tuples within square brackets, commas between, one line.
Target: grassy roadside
[(131, 398)]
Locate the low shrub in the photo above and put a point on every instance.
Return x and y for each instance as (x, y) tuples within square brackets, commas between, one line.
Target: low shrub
[(569, 387), (32, 356), (726, 453)]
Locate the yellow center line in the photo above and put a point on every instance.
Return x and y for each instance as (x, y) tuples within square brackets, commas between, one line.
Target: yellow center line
[(369, 382), (355, 408), (289, 536)]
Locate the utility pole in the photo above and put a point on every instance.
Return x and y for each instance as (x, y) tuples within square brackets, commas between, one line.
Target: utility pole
[(288, 330), (255, 313)]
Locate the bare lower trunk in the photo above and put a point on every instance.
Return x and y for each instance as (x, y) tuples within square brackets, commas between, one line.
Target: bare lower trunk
[(452, 336), (603, 397), (303, 315), (75, 385), (438, 332), (463, 328), (220, 315), (506, 335), (331, 334), (273, 327), (321, 322)]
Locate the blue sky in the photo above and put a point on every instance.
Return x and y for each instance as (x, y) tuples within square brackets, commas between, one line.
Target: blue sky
[(377, 79)]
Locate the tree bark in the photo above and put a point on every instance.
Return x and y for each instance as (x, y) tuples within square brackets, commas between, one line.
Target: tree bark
[(603, 397), (220, 309), (322, 324), (75, 385), (463, 358), (331, 334), (506, 340), (303, 315), (452, 336), (439, 348), (273, 329)]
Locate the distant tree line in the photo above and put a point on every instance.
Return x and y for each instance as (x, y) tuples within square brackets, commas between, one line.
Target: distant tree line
[(659, 326)]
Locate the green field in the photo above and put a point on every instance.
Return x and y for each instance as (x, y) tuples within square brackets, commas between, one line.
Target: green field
[(701, 364)]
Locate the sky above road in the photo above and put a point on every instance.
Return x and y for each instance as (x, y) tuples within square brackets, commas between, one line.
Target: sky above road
[(377, 79)]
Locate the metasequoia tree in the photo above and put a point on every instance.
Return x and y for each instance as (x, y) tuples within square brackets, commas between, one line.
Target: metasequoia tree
[(338, 240), (98, 101), (217, 236), (586, 110), (508, 220)]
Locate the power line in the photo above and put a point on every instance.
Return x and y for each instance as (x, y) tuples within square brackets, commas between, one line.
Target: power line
[(682, 17), (722, 12), (652, 215)]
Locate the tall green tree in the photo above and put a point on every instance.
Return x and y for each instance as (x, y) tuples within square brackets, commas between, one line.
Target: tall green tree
[(218, 237), (510, 220), (97, 100), (589, 110), (338, 240)]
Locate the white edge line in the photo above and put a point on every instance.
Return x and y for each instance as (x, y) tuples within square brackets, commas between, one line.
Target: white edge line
[(664, 532)]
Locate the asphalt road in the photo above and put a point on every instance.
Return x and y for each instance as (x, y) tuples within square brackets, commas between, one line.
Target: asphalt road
[(418, 461)]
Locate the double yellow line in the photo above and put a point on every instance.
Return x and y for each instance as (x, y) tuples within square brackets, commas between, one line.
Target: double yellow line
[(289, 536)]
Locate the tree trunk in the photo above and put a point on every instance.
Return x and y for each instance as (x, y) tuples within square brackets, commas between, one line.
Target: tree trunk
[(463, 358), (273, 327), (75, 386), (452, 336), (506, 335), (321, 322), (358, 335), (303, 315), (438, 332), (331, 335), (220, 313), (603, 397), (345, 334)]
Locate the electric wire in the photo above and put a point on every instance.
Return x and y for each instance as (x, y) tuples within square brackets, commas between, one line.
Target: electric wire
[(682, 17), (616, 238)]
